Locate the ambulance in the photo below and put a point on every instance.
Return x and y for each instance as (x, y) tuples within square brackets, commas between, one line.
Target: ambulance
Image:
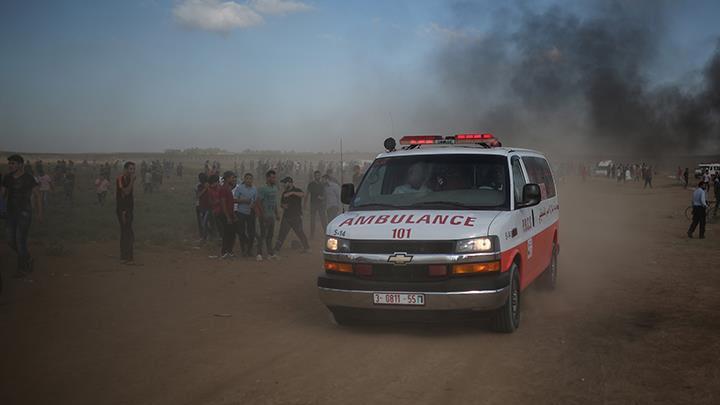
[(444, 225)]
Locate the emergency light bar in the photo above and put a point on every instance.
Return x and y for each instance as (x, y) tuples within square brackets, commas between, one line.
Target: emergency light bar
[(488, 140), (473, 137), (420, 139)]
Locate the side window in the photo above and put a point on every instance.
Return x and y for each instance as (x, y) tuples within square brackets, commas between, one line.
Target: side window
[(518, 178), (539, 172)]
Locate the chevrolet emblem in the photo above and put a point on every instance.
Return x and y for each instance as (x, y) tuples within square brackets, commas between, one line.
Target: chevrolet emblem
[(400, 258)]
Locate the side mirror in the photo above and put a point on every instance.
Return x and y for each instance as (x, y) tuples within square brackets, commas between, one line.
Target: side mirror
[(347, 193), (531, 196)]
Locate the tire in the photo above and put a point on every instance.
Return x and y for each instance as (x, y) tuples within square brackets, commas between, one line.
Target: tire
[(548, 280), (689, 213), (342, 317), (506, 319)]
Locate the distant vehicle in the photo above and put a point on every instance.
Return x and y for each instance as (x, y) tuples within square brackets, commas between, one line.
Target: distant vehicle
[(444, 225), (712, 168), (602, 168)]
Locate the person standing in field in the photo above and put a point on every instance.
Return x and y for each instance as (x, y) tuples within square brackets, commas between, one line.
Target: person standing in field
[(147, 182), (332, 198), (46, 186), (215, 206), (202, 206), (699, 207), (267, 204), (648, 175), (102, 184), (245, 196), (686, 177), (292, 215), (124, 187), (227, 220), (69, 185), (19, 191), (316, 195)]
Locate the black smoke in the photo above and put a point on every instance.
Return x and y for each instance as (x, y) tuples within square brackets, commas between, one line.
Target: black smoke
[(584, 75)]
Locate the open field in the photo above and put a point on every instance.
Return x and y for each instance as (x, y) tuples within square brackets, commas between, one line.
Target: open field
[(635, 319)]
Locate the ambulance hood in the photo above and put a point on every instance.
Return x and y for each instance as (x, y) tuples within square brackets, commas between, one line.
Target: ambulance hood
[(423, 224)]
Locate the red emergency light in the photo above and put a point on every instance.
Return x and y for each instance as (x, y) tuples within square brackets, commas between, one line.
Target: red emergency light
[(488, 139), (473, 137), (420, 139)]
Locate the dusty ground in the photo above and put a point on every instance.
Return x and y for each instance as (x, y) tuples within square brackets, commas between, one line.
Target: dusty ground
[(635, 320)]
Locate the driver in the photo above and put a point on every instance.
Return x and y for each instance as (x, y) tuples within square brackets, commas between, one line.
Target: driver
[(491, 178), (415, 180)]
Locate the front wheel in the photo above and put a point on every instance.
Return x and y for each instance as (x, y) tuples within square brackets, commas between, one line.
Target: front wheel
[(343, 317), (506, 319)]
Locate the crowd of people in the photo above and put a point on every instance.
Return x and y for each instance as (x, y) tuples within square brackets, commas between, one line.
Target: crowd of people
[(227, 210), (250, 210), (240, 210)]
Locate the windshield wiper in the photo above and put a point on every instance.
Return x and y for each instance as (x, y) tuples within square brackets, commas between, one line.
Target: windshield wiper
[(448, 203)]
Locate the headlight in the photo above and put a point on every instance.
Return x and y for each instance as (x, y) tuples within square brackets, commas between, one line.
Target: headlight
[(485, 244), (337, 245)]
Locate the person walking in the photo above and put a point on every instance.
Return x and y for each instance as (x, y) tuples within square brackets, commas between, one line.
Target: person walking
[(268, 214), (19, 190), (648, 175), (124, 187), (316, 195), (292, 215), (245, 196), (686, 177), (699, 207), (332, 198), (227, 220)]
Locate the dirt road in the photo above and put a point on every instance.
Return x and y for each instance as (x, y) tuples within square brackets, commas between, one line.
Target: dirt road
[(636, 319)]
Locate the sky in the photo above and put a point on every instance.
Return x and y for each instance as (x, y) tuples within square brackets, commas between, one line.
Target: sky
[(145, 76)]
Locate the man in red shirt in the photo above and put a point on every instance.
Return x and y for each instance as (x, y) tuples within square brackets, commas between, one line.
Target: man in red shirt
[(213, 194), (226, 216)]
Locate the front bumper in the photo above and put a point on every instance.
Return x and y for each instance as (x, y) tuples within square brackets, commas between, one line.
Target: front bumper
[(479, 293)]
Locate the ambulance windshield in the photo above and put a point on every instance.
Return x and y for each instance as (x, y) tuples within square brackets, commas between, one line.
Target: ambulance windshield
[(449, 182)]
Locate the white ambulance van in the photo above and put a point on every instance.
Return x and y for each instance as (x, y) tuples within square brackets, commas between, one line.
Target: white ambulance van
[(444, 225)]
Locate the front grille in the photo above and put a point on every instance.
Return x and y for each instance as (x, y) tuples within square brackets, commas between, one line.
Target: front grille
[(410, 247), (413, 272)]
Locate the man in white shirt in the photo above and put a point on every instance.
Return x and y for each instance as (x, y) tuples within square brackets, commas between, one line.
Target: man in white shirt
[(706, 177), (699, 204), (332, 198)]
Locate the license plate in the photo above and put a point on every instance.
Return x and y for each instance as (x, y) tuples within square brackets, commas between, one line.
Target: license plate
[(398, 299)]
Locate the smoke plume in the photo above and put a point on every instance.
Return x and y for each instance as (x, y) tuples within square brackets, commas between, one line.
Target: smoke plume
[(560, 73)]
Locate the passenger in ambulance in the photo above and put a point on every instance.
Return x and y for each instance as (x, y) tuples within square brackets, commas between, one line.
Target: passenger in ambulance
[(491, 178), (416, 179)]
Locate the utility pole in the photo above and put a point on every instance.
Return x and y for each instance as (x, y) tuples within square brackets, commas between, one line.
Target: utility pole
[(341, 162)]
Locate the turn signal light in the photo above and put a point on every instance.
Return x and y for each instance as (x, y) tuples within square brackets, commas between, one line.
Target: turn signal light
[(338, 267), (474, 268)]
